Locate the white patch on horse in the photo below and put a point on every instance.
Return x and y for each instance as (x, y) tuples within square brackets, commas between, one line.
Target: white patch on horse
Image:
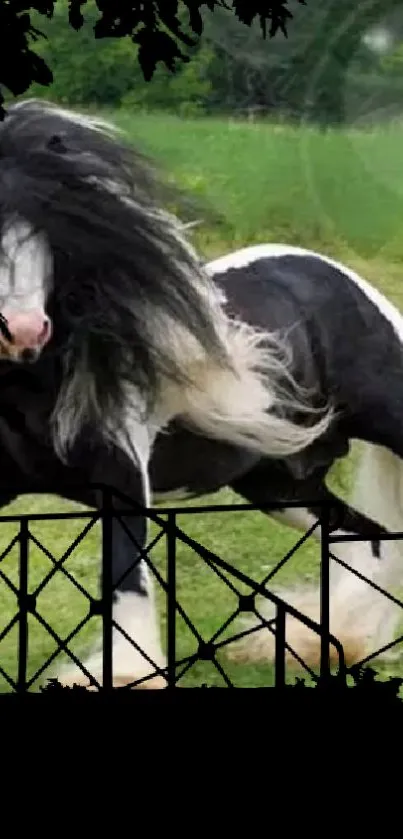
[(297, 517), (360, 617), (136, 615), (137, 439), (378, 493), (25, 267), (236, 405), (181, 494)]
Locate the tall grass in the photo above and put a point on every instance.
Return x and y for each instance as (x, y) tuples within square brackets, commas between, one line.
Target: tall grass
[(339, 190)]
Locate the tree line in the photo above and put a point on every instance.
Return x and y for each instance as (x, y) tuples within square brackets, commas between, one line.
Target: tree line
[(323, 70)]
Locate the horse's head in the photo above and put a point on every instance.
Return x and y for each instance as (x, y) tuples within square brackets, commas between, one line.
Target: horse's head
[(61, 178), (25, 276), (46, 199)]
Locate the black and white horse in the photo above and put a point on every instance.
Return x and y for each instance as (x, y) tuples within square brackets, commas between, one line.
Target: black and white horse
[(152, 372), (185, 463)]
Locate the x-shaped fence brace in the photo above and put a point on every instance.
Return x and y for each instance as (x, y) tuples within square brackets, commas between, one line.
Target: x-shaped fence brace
[(166, 519)]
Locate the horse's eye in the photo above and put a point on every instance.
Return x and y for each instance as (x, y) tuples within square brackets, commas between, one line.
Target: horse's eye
[(56, 144)]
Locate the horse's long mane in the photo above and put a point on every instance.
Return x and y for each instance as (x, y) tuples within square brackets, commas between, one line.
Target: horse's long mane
[(135, 314), (123, 274)]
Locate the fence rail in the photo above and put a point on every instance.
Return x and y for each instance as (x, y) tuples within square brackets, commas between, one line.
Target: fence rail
[(166, 518)]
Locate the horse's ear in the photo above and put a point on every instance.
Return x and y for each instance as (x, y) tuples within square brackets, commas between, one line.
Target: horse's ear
[(56, 144)]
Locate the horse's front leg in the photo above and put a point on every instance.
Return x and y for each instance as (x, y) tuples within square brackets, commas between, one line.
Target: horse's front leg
[(137, 657), (137, 653)]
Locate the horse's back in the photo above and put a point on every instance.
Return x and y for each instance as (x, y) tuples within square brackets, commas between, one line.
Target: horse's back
[(346, 338), (323, 307), (273, 284)]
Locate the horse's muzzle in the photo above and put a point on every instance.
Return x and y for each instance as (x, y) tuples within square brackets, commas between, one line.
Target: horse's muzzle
[(24, 334)]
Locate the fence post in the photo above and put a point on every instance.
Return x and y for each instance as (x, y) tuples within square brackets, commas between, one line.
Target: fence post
[(324, 594), (107, 590), (23, 607), (279, 665), (171, 598)]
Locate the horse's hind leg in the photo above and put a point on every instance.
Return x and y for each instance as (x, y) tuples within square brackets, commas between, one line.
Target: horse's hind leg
[(359, 616), (378, 492), (363, 618)]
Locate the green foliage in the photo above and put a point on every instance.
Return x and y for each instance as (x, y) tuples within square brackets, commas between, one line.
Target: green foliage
[(184, 92), (233, 68), (85, 70), (106, 71)]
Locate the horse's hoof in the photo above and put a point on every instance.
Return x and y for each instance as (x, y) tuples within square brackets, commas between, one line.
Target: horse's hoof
[(77, 680), (155, 683)]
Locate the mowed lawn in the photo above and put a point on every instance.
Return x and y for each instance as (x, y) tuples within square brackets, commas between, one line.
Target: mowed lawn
[(337, 192)]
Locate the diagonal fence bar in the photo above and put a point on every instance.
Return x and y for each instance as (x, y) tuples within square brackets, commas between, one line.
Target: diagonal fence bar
[(279, 662), (324, 595), (107, 590), (171, 598), (166, 519)]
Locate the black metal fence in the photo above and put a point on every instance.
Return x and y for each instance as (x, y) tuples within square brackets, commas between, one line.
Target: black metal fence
[(166, 520)]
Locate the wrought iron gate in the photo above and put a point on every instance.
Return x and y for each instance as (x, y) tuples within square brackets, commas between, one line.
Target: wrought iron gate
[(166, 519)]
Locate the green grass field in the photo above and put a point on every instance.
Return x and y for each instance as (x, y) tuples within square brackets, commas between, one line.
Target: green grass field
[(337, 192)]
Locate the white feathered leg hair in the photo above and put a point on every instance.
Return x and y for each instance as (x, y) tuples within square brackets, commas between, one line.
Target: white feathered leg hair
[(363, 619)]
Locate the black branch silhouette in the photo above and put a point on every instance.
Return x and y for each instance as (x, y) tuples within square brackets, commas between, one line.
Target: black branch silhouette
[(156, 27)]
